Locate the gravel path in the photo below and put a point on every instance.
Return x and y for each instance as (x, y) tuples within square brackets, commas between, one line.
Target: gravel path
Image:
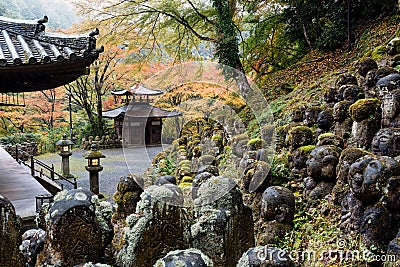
[(118, 162)]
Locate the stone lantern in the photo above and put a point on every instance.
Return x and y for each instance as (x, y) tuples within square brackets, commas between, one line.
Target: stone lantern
[(65, 146), (94, 167)]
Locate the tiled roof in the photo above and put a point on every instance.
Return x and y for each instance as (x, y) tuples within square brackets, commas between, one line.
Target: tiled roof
[(141, 90), (140, 110), (31, 59)]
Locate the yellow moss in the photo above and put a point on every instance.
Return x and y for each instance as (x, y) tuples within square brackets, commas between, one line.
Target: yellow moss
[(187, 179), (185, 184), (325, 135), (306, 150), (364, 109)]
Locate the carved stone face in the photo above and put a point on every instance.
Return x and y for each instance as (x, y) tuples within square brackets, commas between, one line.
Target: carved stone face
[(310, 116), (390, 106), (325, 120), (340, 110), (387, 142), (322, 162), (370, 78), (278, 204), (369, 175)]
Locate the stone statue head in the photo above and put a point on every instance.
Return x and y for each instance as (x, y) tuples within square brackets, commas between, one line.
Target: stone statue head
[(369, 175), (322, 162)]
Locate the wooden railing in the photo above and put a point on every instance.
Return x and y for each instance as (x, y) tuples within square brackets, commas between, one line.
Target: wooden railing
[(41, 169)]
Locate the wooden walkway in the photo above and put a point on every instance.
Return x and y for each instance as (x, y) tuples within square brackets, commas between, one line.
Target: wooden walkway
[(19, 186)]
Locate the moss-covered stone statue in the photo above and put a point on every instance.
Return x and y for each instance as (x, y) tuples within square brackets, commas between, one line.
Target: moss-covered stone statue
[(10, 237)]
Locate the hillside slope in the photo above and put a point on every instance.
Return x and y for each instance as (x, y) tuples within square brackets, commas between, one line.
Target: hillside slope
[(317, 71)]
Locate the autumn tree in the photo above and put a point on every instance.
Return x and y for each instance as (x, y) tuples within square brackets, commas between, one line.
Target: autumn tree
[(177, 27), (88, 92)]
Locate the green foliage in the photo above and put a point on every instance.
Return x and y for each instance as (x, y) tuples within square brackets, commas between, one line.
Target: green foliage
[(280, 171), (20, 138), (166, 166), (323, 24)]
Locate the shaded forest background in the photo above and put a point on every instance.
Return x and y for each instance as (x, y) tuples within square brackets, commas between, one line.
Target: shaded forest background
[(61, 13)]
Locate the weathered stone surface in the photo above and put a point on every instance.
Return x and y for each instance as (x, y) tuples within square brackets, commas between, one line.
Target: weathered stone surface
[(298, 113), (299, 159), (32, 245), (343, 122), (311, 115), (322, 162), (391, 109), (325, 119), (366, 65), (198, 180), (350, 92), (362, 133), (392, 194), (394, 249), (383, 72), (238, 144), (185, 258), (167, 179), (278, 204), (256, 179), (386, 142), (388, 83), (127, 195), (378, 227), (392, 48), (224, 225), (78, 229), (346, 78), (330, 139), (352, 212), (10, 238), (159, 225), (299, 136), (347, 157), (265, 256), (366, 114), (368, 176)]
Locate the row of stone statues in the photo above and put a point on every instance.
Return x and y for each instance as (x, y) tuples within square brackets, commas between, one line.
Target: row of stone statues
[(103, 142)]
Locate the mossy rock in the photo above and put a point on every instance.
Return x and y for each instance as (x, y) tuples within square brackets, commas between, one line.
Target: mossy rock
[(306, 150), (217, 138), (186, 184), (160, 156), (255, 143), (325, 135), (379, 52), (184, 162), (364, 109), (187, 179), (196, 136), (330, 139), (300, 136)]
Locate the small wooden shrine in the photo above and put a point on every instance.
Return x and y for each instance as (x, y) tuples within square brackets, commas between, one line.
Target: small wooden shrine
[(137, 121), (32, 59)]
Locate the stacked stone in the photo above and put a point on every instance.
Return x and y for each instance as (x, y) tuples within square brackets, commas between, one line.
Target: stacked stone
[(223, 228), (127, 195), (78, 229), (160, 225), (277, 214), (10, 237)]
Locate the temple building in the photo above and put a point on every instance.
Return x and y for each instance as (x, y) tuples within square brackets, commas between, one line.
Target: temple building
[(32, 59), (138, 122)]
